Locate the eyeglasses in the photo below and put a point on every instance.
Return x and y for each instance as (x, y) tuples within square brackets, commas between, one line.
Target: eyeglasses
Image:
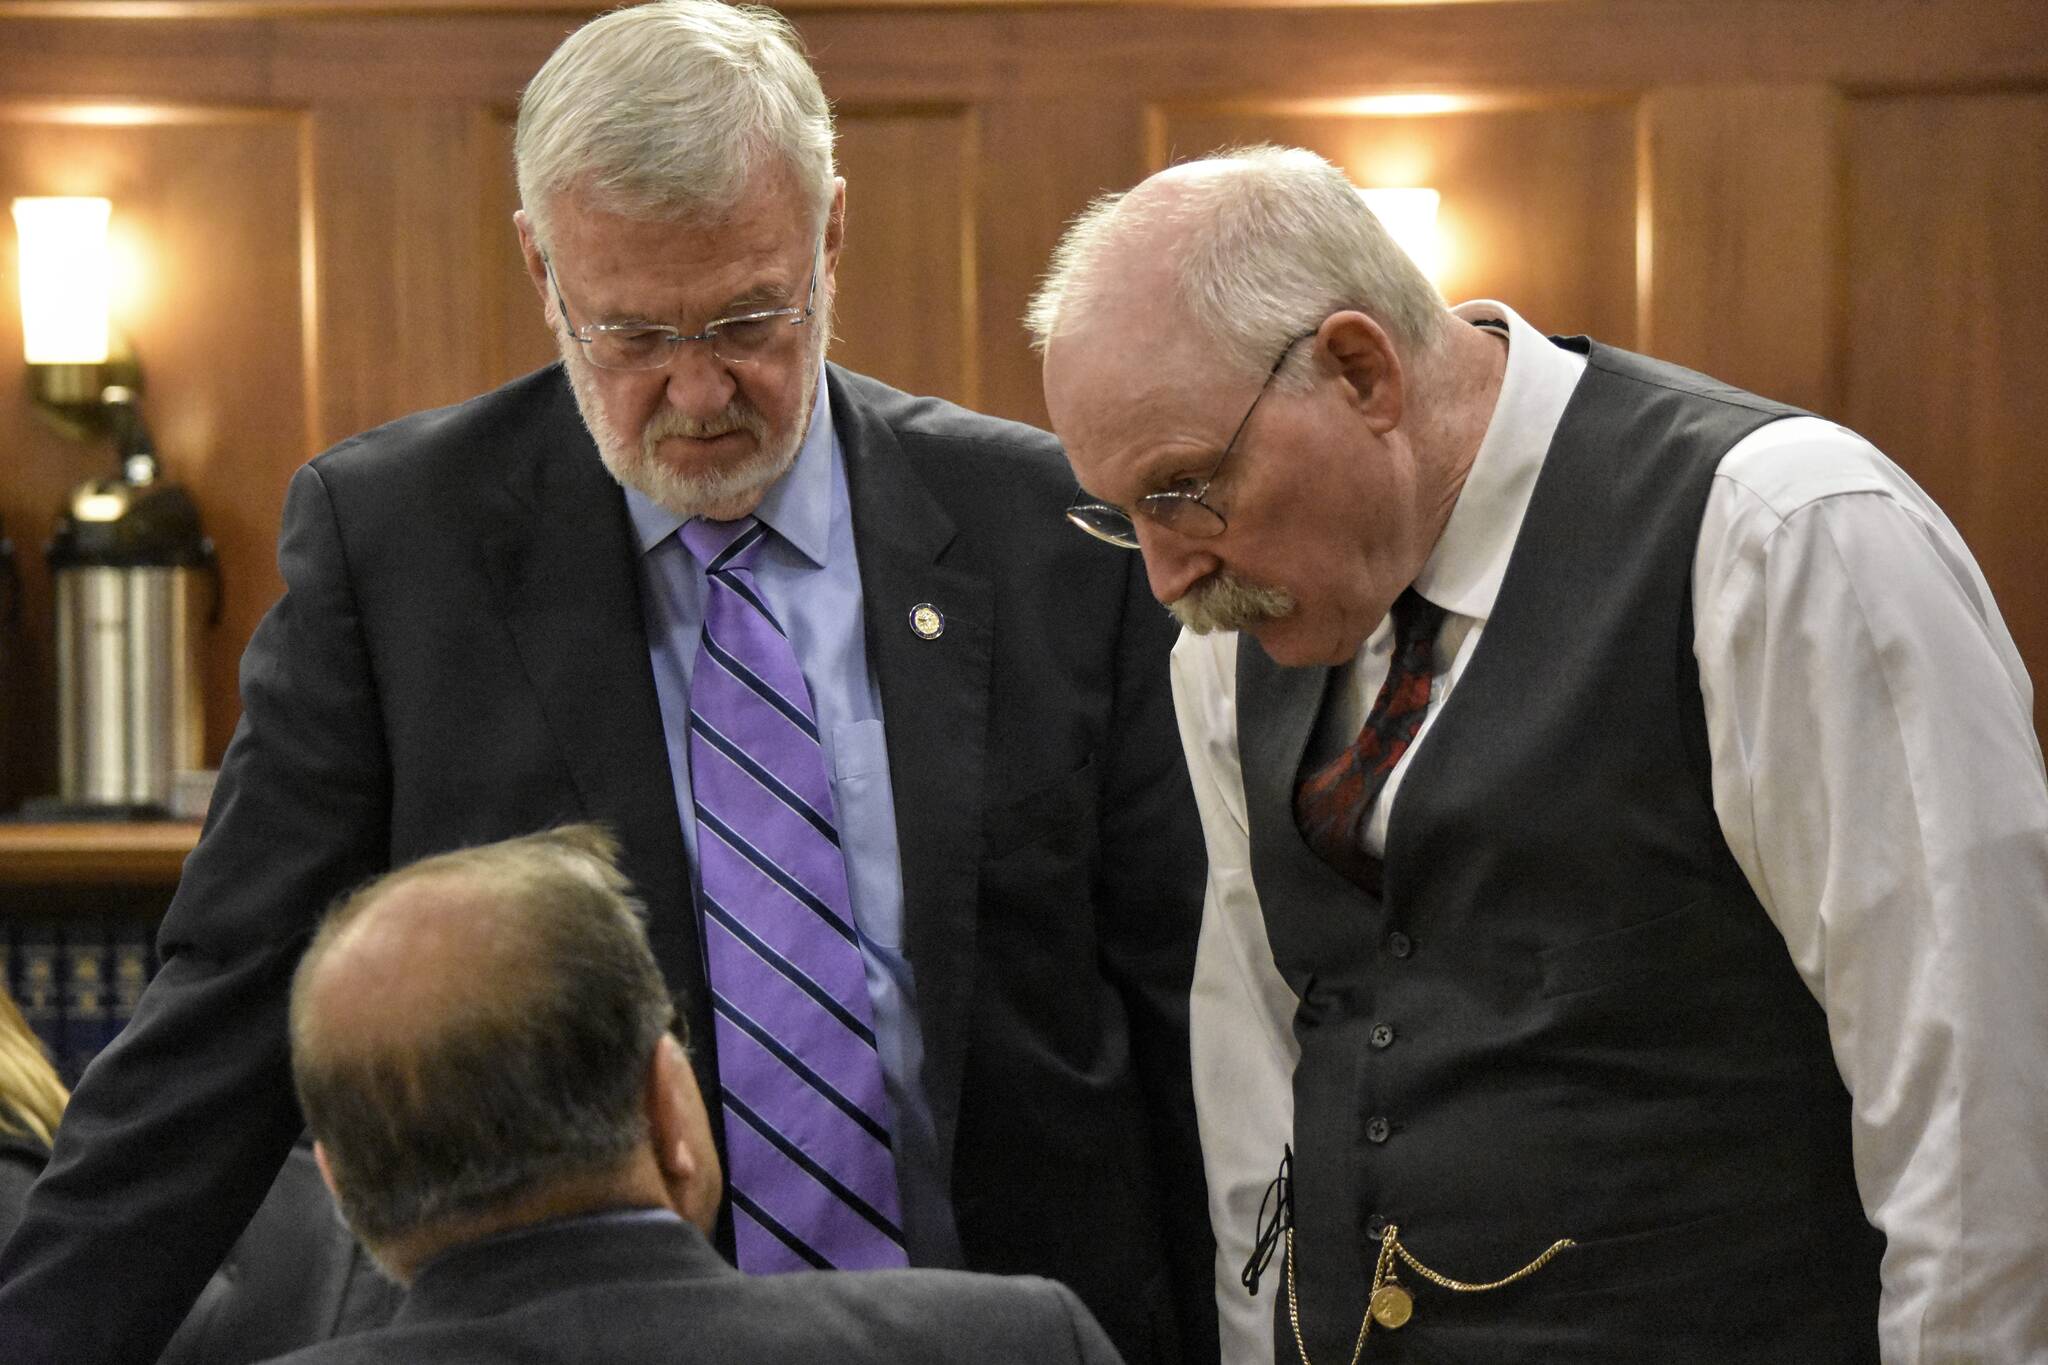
[(649, 346), (1184, 511)]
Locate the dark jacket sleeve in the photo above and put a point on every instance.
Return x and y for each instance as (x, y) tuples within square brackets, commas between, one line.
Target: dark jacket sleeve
[(177, 1129), (22, 1157), (1152, 877), (1091, 1344)]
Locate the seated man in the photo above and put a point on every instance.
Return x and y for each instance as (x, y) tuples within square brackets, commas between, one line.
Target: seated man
[(480, 1043)]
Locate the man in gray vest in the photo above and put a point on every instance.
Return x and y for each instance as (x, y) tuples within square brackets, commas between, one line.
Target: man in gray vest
[(1628, 889)]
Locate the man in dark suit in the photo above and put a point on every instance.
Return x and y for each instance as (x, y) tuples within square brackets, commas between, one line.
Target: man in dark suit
[(481, 1045), (483, 633)]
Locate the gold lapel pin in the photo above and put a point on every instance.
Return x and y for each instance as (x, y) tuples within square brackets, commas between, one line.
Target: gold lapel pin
[(926, 621)]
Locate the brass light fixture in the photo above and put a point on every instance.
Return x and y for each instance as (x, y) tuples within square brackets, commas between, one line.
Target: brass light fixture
[(74, 356)]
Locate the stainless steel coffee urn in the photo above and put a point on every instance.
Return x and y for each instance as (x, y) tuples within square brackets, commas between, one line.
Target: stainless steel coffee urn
[(135, 580)]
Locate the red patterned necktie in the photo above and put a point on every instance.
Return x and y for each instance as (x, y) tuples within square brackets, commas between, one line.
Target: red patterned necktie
[(1333, 803)]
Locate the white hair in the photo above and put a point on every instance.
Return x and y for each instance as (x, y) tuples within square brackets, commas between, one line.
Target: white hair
[(1262, 246), (668, 109)]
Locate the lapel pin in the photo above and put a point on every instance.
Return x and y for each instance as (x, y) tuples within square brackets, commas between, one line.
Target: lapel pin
[(926, 621)]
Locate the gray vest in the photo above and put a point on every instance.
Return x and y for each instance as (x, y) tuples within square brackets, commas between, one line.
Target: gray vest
[(1569, 1016)]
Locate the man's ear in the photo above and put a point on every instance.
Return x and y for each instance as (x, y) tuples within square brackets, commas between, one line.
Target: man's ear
[(536, 268), (681, 1133), (835, 228), (326, 1171), (1370, 367)]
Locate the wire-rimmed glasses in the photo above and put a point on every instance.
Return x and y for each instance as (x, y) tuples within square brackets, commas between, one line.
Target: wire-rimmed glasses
[(1185, 510), (650, 345)]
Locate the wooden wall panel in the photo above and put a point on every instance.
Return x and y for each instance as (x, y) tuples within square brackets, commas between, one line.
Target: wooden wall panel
[(1740, 221), (1538, 200), (209, 200), (516, 336), (907, 305), (1836, 203), (406, 199), (1943, 349), (1042, 162)]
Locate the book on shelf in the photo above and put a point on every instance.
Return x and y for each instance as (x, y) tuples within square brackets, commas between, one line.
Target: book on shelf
[(134, 963), (77, 980), (39, 983), (87, 978)]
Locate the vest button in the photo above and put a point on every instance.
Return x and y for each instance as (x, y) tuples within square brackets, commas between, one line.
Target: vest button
[(1375, 1227), (1399, 944), (1377, 1129), (1382, 1035)]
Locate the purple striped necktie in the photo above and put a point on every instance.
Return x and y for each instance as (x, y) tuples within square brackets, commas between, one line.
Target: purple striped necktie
[(810, 1172)]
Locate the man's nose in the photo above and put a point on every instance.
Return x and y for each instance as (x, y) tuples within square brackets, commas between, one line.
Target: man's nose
[(1174, 563), (700, 385)]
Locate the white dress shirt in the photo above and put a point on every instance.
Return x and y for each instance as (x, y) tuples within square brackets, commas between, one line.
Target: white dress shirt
[(1876, 774)]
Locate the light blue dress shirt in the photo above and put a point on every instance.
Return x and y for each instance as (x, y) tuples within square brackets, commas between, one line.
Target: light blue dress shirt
[(808, 573)]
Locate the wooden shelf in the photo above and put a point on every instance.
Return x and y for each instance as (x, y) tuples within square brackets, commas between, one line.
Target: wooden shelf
[(95, 854)]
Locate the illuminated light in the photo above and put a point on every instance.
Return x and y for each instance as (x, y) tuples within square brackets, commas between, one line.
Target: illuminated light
[(1405, 106), (1409, 216), (66, 273), (99, 506), (105, 115)]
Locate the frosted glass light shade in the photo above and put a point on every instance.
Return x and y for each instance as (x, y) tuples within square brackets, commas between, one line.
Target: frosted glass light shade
[(66, 276)]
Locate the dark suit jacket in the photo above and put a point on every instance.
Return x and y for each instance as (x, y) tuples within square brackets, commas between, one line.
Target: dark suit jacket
[(22, 1157), (460, 657), (617, 1292), (294, 1277)]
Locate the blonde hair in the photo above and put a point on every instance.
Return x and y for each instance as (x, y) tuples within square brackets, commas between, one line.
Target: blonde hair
[(32, 1099)]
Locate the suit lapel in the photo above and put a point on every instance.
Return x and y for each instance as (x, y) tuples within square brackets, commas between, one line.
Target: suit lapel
[(566, 571), (935, 709)]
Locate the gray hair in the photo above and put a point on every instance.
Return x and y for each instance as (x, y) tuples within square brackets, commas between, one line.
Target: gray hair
[(534, 1074), (669, 109), (1263, 249)]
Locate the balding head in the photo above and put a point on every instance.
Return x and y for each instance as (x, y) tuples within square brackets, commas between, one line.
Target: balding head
[(480, 1031), (1322, 489), (1234, 254)]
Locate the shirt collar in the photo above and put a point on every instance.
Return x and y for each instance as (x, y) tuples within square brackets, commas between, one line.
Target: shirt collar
[(1464, 571), (797, 506)]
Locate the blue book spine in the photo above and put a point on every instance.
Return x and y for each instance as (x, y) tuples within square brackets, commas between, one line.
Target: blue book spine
[(39, 986), (132, 968), (86, 994)]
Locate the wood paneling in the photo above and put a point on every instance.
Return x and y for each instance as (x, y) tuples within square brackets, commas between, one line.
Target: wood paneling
[(405, 198), (1042, 162), (1836, 202), (1943, 350), (907, 307), (1741, 236)]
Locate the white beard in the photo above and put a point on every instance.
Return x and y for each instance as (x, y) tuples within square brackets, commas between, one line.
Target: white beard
[(728, 493)]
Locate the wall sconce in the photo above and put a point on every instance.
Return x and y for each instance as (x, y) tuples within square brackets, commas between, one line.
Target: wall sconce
[(74, 357), (128, 559), (1409, 216)]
